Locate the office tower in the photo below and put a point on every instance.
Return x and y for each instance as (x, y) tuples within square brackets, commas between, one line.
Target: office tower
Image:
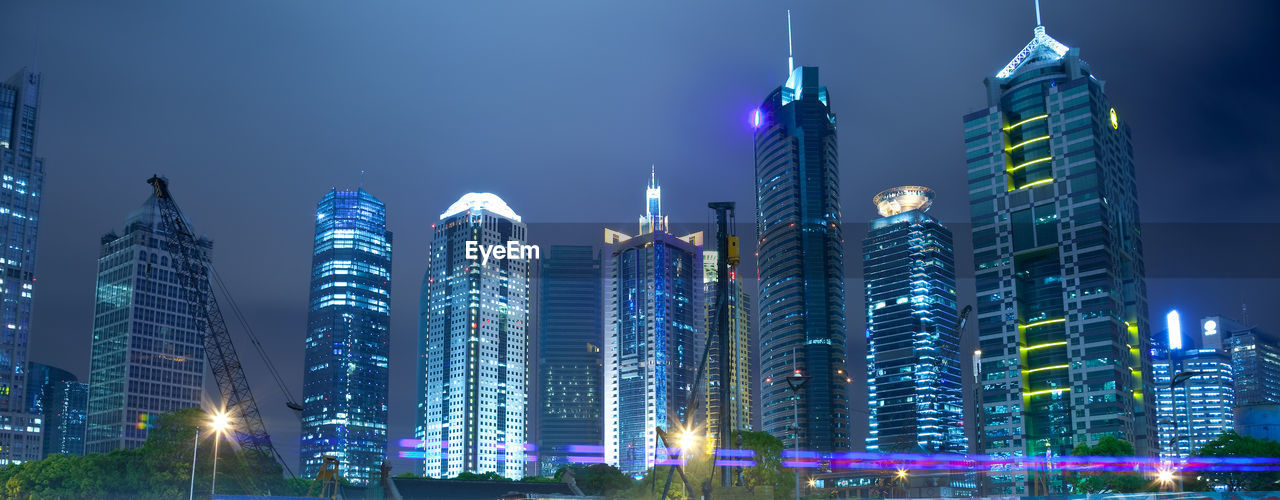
[(473, 341), (1255, 360), (1193, 385), (913, 347), (653, 320), (344, 385), (570, 360), (738, 354), (147, 355), (60, 400), (1058, 258), (800, 260), (23, 182)]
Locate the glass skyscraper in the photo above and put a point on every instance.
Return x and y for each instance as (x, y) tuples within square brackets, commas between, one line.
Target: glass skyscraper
[(1200, 405), (738, 354), (20, 190), (147, 356), (348, 331), (1061, 298), (1255, 360), (653, 327), (60, 399), (570, 360), (913, 347), (800, 261), (473, 343)]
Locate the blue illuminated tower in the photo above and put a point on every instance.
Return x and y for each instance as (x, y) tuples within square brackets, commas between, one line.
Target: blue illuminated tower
[(801, 264), (1194, 384), (348, 329), (913, 346)]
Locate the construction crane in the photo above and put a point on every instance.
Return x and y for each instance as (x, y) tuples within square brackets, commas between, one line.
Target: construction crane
[(194, 275)]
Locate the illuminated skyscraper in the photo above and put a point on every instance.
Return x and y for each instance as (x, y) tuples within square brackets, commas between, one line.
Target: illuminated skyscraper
[(147, 354), (913, 357), (473, 343), (569, 354), (22, 185), (653, 327), (1062, 307), (60, 400), (801, 264), (738, 355), (344, 385), (1198, 405)]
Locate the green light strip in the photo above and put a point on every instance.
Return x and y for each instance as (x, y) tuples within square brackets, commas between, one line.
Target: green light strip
[(1028, 120), (1036, 183), (1032, 162), (1044, 321), (1046, 391), (1041, 346), (1054, 367), (1028, 141)]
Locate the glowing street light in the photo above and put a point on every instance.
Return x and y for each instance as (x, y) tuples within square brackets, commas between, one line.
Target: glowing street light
[(687, 440), (902, 474), (220, 423)]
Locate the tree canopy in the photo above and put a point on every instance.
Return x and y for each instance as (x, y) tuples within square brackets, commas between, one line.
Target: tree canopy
[(1109, 482), (1231, 444)]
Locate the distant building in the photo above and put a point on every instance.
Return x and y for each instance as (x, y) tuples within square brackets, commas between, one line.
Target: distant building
[(348, 337), (1198, 406), (653, 321), (22, 186), (147, 355), (1255, 356), (60, 400), (473, 343), (570, 361), (738, 355), (913, 346), (1061, 295)]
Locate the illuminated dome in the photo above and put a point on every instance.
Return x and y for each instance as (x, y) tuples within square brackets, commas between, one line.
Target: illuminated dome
[(488, 202), (894, 201)]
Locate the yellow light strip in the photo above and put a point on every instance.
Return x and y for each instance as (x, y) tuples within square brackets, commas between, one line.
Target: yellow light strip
[(1028, 120), (1054, 367), (1036, 183), (1045, 322), (1032, 162), (1046, 391), (1041, 346), (1028, 141)]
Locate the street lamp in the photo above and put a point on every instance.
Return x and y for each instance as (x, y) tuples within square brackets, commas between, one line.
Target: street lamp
[(220, 423), (1164, 476), (195, 450), (687, 440)]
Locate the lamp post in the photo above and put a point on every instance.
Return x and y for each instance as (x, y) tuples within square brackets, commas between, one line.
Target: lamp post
[(796, 381), (219, 424), (195, 450)]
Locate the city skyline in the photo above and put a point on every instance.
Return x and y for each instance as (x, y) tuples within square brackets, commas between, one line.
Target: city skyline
[(245, 278)]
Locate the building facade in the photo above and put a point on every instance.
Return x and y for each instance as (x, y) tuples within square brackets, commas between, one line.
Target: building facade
[(348, 337), (737, 355), (147, 354), (1062, 310), (653, 327), (20, 191), (1194, 387), (473, 343), (570, 361), (913, 346), (800, 261), (60, 400), (1255, 360)]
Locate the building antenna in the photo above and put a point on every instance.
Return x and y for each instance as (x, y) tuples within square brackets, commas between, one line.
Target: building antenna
[(791, 64), (361, 178), (1038, 13)]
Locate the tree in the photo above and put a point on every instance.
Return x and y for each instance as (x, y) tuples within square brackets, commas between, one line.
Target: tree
[(1109, 482), (597, 479), (768, 470), (1231, 444)]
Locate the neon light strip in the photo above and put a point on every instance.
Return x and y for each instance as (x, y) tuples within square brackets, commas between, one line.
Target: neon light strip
[(1032, 162), (1046, 391), (1051, 344), (1044, 322), (1028, 120), (1028, 141), (1037, 183), (1054, 367)]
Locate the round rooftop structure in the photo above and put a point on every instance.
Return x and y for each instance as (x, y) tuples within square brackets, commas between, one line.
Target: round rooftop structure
[(488, 202), (894, 201)]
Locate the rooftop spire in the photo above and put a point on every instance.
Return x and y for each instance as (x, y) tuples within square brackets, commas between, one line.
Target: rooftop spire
[(1038, 23), (791, 62)]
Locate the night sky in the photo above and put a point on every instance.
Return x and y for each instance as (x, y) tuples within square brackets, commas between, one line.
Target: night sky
[(255, 110)]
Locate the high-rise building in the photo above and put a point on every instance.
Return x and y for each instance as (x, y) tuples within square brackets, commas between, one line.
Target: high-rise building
[(913, 347), (473, 341), (1061, 297), (147, 355), (60, 400), (23, 182), (1193, 386), (737, 355), (570, 361), (653, 327), (1255, 360), (348, 331), (800, 260)]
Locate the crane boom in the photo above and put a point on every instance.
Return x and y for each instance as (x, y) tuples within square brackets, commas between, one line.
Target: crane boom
[(237, 397)]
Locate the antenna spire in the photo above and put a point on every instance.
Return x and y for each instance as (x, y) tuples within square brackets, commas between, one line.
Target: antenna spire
[(791, 63), (1038, 13)]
